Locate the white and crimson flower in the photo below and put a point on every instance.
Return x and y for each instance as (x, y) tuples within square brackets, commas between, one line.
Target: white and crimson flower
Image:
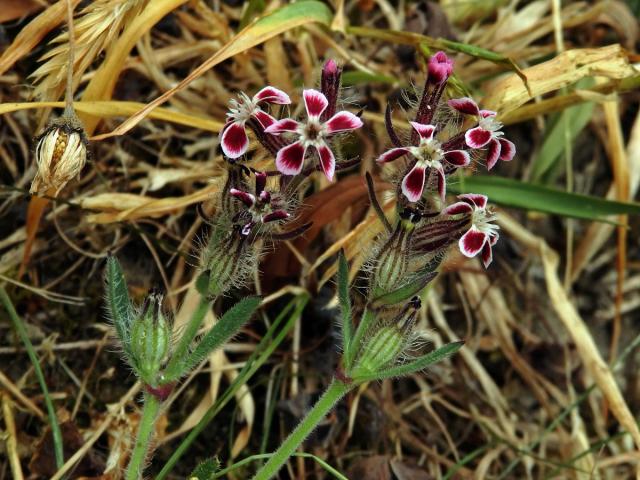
[(482, 235), (312, 133), (488, 132), (428, 155), (234, 139), (261, 208)]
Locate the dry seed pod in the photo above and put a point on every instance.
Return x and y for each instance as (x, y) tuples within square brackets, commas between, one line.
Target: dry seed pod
[(61, 152)]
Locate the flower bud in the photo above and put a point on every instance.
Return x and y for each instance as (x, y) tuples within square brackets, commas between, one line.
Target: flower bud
[(61, 152), (150, 340), (330, 86), (440, 68)]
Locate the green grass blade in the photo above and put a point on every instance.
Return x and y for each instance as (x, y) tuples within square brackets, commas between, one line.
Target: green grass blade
[(119, 304), (51, 412), (529, 196)]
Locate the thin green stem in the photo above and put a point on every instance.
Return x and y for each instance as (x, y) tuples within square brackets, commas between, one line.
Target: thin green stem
[(264, 456), (174, 369), (150, 411), (263, 351), (331, 396), (51, 412)]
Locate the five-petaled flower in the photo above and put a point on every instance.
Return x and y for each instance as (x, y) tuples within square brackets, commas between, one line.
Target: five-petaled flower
[(312, 133), (482, 235), (488, 132), (429, 156), (234, 140), (261, 208)]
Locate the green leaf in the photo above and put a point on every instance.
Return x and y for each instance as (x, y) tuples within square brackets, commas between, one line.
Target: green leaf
[(405, 292), (529, 196), (345, 303), (206, 470), (358, 77), (414, 366), (222, 331), (119, 304), (253, 9), (570, 122)]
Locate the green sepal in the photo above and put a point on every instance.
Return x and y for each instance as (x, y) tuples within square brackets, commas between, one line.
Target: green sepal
[(405, 292), (119, 304), (206, 470), (202, 284), (413, 366), (345, 304)]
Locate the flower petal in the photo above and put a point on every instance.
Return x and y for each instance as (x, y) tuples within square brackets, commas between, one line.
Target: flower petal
[(392, 154), (272, 95), (476, 199), (477, 137), (281, 126), (246, 198), (493, 153), (425, 131), (488, 113), (487, 255), (290, 159), (440, 68), (264, 118), (464, 105), (261, 182), (343, 122), (459, 158), (275, 216), (458, 208), (472, 242), (315, 102), (327, 161), (442, 183), (508, 150), (234, 140), (413, 183)]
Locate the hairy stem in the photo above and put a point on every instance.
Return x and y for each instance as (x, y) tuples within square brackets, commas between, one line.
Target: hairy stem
[(327, 401), (51, 412), (68, 100), (150, 412)]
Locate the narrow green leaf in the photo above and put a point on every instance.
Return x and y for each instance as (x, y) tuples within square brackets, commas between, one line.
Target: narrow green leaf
[(357, 77), (253, 9), (118, 302), (222, 331), (414, 366), (405, 292), (529, 196), (345, 303)]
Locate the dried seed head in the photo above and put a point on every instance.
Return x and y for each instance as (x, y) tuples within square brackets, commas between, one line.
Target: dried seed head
[(61, 152)]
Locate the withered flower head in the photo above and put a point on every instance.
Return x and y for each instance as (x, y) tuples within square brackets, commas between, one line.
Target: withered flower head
[(61, 152)]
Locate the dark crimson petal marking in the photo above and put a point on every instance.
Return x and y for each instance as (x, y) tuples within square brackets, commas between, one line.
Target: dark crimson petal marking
[(459, 158), (425, 131), (458, 208), (487, 255), (477, 137), (476, 199), (284, 125), (472, 242), (442, 183), (264, 118), (493, 153), (290, 159), (507, 151), (234, 140), (343, 122), (487, 113), (493, 238), (413, 183), (261, 182), (464, 105), (275, 216), (327, 161), (392, 154), (315, 102), (272, 95), (244, 197)]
